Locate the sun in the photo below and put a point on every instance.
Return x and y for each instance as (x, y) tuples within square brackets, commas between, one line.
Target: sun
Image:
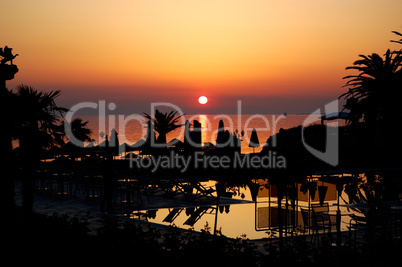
[(203, 100)]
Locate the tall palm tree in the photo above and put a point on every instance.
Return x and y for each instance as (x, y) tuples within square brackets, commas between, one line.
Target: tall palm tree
[(38, 128), (81, 133), (163, 123), (374, 93), (79, 129), (7, 203)]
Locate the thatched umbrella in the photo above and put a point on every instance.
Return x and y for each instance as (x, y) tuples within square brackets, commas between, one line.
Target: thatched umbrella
[(114, 142), (220, 137), (146, 145), (186, 136), (254, 142)]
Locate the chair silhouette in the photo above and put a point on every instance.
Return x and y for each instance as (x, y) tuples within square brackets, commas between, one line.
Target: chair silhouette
[(322, 219), (312, 223), (355, 225), (196, 215), (173, 215), (200, 189)]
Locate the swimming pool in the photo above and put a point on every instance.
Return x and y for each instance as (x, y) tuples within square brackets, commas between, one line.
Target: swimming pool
[(247, 218)]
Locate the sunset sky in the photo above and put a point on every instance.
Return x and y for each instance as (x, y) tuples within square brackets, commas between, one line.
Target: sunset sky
[(275, 56)]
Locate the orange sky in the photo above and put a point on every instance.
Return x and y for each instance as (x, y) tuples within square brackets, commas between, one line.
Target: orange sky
[(275, 56)]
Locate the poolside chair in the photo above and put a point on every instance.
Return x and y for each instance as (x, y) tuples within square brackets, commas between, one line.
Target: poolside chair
[(186, 188), (204, 191), (169, 188), (169, 192), (321, 219), (151, 189), (197, 214), (173, 215), (310, 224), (357, 224), (150, 214)]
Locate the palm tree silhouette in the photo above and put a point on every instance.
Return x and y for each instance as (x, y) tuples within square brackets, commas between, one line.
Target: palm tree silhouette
[(37, 128), (397, 41), (9, 164), (375, 91), (163, 123), (80, 130)]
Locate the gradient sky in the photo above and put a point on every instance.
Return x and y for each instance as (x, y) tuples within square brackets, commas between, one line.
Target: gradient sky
[(275, 56)]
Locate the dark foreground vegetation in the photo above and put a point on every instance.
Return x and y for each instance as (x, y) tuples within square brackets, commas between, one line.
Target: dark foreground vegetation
[(126, 241)]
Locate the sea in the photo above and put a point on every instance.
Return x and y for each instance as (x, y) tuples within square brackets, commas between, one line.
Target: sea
[(131, 128)]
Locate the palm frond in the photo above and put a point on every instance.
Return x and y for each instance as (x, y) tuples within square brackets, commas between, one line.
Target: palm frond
[(397, 33), (377, 76), (163, 123), (38, 111)]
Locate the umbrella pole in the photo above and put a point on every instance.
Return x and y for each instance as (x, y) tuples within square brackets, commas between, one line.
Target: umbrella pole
[(338, 219), (216, 214)]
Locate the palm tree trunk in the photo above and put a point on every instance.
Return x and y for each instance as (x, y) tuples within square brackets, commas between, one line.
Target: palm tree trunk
[(30, 158), (7, 203), (161, 138), (280, 222), (281, 192), (27, 191)]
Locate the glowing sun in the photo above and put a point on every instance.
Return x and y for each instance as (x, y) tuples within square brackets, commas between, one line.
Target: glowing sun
[(203, 100)]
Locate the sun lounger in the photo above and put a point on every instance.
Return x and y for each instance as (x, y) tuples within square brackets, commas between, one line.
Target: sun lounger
[(151, 190), (196, 216), (200, 189), (173, 215)]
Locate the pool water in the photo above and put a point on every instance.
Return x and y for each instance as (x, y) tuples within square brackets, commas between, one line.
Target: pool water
[(233, 221), (253, 220)]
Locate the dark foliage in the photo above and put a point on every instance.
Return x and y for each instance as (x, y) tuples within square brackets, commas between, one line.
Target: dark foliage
[(68, 240)]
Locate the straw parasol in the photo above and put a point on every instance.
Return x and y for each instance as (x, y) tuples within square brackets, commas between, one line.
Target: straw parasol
[(254, 142)]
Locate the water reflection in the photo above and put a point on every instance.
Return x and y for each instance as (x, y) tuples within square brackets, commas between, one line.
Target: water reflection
[(186, 216), (277, 206), (251, 207), (266, 213), (205, 126)]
